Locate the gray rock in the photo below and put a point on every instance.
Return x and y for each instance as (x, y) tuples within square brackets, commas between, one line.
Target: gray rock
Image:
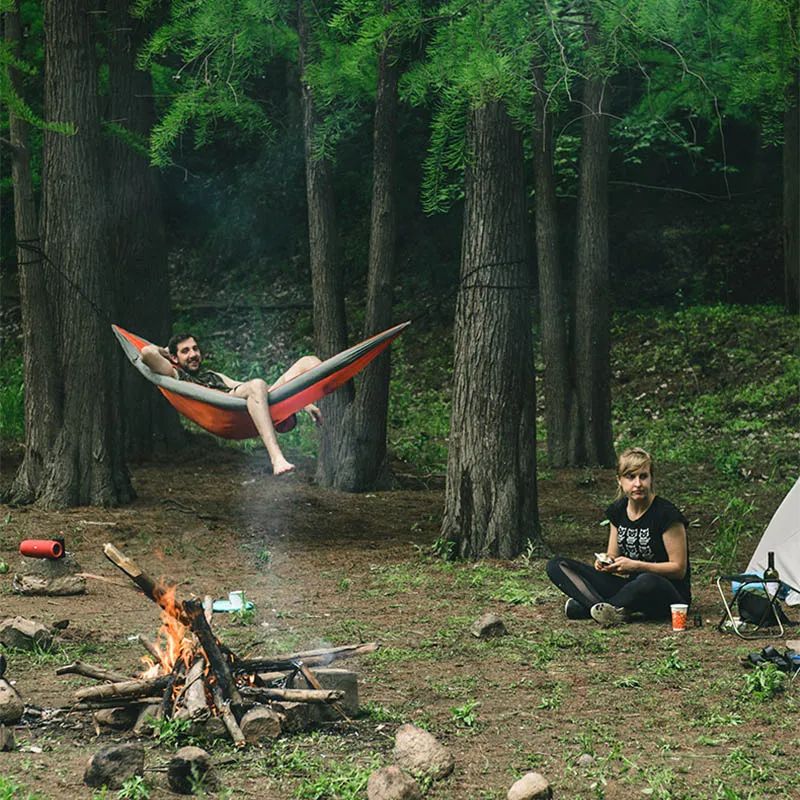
[(119, 719), (144, 723), (344, 680), (295, 717), (190, 769), (487, 626), (420, 753), (532, 786), (11, 705), (113, 765), (7, 742), (49, 576), (585, 760), (25, 634), (391, 783)]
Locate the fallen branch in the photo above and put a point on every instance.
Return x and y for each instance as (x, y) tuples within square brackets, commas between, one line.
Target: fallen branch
[(92, 671), (129, 688), (294, 695), (316, 658)]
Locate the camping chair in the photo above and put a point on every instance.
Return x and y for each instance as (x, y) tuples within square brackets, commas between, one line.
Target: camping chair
[(754, 607)]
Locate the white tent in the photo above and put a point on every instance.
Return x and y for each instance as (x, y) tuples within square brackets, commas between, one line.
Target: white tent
[(782, 537)]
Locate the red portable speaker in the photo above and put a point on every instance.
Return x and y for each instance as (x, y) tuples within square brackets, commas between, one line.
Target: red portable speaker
[(42, 548)]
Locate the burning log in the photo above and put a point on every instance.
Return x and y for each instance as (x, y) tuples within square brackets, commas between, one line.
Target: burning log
[(191, 701), (155, 591), (216, 660)]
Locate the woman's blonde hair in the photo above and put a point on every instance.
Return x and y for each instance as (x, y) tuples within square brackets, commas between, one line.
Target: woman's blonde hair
[(630, 460)]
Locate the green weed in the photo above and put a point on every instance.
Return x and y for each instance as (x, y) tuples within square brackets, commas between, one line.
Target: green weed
[(170, 732), (135, 788), (764, 682), (465, 715), (11, 790)]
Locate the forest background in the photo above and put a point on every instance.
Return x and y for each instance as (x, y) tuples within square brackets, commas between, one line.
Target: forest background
[(540, 165)]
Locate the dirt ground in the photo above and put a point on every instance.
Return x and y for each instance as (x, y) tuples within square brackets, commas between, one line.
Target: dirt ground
[(324, 567)]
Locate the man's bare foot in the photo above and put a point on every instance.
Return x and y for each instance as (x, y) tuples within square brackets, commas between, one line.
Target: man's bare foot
[(281, 467), (314, 413)]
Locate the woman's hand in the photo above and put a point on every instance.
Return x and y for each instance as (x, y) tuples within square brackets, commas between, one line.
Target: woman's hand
[(624, 566)]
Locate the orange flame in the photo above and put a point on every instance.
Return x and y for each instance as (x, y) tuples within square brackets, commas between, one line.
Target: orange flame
[(174, 640)]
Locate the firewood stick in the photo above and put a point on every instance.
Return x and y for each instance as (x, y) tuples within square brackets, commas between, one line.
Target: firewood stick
[(191, 700), (216, 660), (111, 702), (154, 652), (313, 657), (151, 589), (312, 679), (208, 608), (295, 695), (224, 710), (92, 671), (129, 688), (167, 703)]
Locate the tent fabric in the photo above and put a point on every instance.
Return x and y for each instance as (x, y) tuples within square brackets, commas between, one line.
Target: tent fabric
[(226, 416), (782, 537)]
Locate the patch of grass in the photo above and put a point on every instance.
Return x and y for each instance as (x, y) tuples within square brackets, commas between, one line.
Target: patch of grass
[(134, 788), (764, 682), (11, 790), (170, 732)]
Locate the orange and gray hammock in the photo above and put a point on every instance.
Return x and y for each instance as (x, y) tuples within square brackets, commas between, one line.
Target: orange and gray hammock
[(226, 416)]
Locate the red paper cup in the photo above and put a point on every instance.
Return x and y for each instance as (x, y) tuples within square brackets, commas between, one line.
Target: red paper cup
[(679, 612), (41, 548)]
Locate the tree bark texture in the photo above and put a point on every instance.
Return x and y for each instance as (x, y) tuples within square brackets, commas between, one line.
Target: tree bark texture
[(361, 463), (592, 439), (327, 274), (76, 431), (36, 313), (138, 243), (791, 201), (552, 305), (490, 502)]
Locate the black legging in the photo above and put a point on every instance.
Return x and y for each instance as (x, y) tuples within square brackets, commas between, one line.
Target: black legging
[(644, 592)]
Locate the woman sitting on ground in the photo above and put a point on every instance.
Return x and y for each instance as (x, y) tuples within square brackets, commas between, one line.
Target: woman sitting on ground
[(648, 557)]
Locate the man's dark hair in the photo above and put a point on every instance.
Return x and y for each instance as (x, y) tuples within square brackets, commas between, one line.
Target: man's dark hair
[(173, 343)]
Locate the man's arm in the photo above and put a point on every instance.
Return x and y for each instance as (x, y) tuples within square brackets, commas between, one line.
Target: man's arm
[(157, 358)]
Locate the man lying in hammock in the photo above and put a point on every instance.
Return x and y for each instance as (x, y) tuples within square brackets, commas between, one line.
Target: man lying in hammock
[(182, 359)]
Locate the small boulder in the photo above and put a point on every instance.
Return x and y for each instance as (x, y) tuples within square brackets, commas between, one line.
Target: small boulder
[(391, 783), (420, 753), (25, 634), (532, 786), (11, 705), (113, 765), (121, 718), (487, 626), (585, 760), (7, 742), (190, 769)]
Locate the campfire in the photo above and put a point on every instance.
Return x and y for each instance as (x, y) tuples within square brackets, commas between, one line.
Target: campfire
[(191, 675)]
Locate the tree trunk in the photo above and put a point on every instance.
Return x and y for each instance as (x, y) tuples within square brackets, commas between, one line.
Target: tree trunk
[(361, 462), (593, 442), (490, 502), (327, 276), (37, 330), (791, 202), (138, 245), (74, 448), (552, 306)]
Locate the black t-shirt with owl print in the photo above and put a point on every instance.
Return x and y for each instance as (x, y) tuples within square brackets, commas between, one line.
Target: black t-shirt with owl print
[(643, 539)]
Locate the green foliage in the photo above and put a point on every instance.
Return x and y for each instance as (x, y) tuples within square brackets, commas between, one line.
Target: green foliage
[(11, 790), (764, 682), (12, 400), (134, 788), (465, 715), (170, 732)]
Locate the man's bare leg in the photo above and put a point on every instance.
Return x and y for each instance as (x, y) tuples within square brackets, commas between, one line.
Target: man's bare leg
[(255, 392), (300, 366)]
